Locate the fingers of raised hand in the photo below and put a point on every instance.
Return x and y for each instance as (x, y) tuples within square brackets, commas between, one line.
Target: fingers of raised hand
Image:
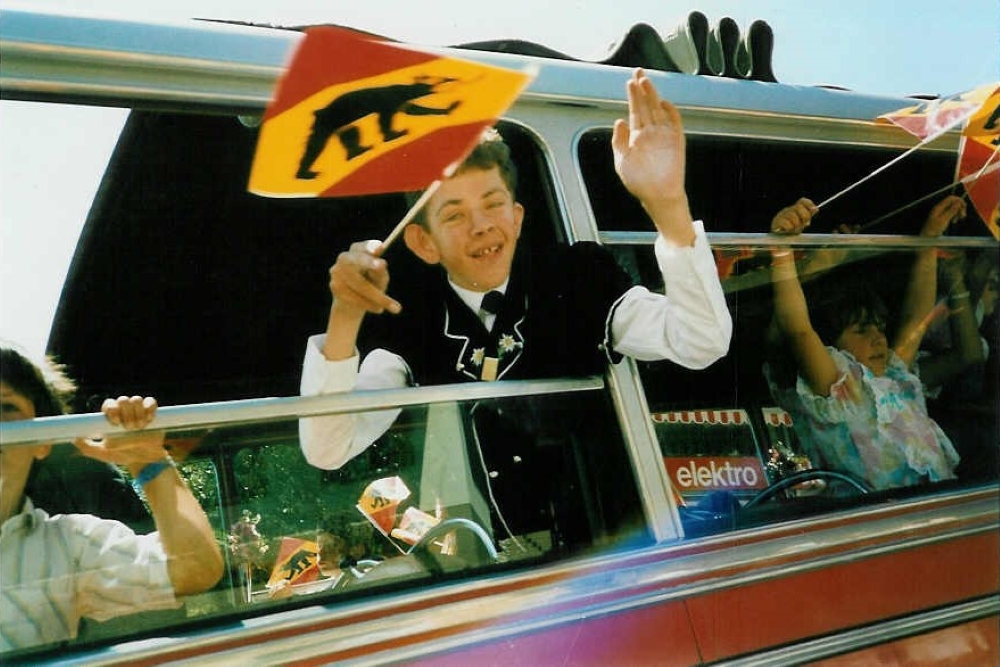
[(360, 279), (130, 411), (793, 219), (671, 116), (620, 138), (645, 106), (949, 210), (636, 117), (956, 209)]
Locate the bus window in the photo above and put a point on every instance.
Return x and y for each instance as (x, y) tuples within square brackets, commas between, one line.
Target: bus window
[(796, 458), (441, 494)]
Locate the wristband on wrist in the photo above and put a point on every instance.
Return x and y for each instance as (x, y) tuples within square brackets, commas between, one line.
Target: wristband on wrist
[(960, 295), (150, 472)]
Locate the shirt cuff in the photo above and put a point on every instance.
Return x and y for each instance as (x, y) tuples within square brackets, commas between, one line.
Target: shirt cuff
[(322, 376), (679, 263)]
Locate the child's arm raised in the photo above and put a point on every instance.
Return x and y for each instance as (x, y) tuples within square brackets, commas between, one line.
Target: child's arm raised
[(195, 560), (790, 309), (921, 292)]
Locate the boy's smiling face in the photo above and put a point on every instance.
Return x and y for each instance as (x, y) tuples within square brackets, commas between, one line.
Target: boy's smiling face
[(472, 227)]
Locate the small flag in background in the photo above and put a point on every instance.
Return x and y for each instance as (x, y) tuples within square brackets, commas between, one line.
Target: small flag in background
[(931, 118), (979, 155), (357, 115), (380, 502), (979, 151)]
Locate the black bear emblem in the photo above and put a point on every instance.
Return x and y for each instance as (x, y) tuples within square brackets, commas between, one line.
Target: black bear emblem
[(299, 562), (340, 117)]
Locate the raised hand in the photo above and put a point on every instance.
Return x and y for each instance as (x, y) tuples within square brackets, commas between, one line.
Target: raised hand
[(649, 147), (949, 210), (359, 279), (795, 218)]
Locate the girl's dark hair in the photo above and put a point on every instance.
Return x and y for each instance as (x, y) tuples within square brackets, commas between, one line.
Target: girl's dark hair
[(491, 151), (844, 304), (45, 385)]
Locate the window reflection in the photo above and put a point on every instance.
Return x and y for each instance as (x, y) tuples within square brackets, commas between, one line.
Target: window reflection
[(960, 393), (419, 505)]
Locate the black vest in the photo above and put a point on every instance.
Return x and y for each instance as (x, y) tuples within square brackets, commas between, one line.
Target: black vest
[(553, 322)]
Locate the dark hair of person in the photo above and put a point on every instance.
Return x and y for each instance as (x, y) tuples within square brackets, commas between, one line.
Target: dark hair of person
[(64, 482), (491, 151), (847, 305), (46, 385)]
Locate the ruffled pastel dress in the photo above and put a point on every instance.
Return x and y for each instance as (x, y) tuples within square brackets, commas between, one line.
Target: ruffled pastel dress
[(874, 428)]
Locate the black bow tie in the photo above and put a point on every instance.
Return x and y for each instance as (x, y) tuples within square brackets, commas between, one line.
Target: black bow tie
[(492, 302)]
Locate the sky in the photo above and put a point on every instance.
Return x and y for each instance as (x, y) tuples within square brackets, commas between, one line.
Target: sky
[(52, 158)]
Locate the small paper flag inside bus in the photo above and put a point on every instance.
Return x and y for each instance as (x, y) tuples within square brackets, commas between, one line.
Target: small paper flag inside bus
[(297, 562)]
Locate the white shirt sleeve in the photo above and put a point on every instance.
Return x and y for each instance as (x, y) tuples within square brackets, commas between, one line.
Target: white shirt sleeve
[(330, 441), (690, 323)]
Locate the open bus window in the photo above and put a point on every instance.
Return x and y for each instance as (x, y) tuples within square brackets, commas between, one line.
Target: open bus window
[(737, 185), (452, 489), (231, 270), (942, 406)]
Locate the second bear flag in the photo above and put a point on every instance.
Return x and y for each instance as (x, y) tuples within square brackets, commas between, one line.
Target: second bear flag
[(355, 114)]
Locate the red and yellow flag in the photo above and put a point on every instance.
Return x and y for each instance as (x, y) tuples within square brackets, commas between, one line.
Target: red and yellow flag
[(357, 115), (297, 562), (979, 150), (978, 159), (931, 118)]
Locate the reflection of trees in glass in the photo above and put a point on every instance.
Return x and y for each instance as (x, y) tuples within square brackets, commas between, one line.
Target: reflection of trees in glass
[(294, 498), (201, 477)]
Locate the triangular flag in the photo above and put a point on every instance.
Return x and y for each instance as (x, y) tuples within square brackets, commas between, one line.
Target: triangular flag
[(980, 150), (931, 118), (358, 115)]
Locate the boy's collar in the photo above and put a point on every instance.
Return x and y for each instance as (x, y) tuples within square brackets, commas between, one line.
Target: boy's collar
[(474, 299)]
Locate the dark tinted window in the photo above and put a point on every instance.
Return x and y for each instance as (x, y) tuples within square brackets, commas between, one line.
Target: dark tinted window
[(188, 287), (736, 185)]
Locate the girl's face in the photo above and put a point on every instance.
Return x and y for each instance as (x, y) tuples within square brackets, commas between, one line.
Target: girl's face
[(866, 341)]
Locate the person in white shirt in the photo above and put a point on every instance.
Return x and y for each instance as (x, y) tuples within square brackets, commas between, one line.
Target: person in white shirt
[(566, 313), (55, 570)]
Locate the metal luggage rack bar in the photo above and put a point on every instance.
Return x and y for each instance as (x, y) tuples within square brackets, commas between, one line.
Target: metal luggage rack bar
[(764, 240)]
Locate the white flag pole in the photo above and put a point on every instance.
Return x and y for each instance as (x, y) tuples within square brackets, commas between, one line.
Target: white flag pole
[(879, 170), (988, 168), (419, 204), (411, 214), (923, 143)]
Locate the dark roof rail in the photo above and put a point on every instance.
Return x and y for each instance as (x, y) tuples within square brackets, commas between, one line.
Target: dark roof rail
[(693, 47)]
